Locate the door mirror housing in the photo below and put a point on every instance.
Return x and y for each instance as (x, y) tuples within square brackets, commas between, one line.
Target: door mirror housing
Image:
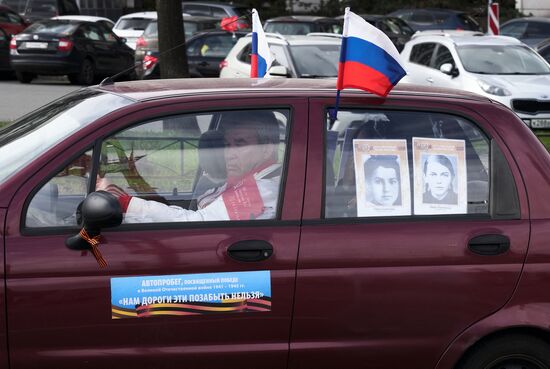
[(99, 210), (279, 71), (448, 68)]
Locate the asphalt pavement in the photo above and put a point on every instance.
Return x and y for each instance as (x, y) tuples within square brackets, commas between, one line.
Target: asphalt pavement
[(18, 99)]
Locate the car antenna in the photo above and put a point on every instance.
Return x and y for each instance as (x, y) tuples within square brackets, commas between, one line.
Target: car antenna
[(110, 80)]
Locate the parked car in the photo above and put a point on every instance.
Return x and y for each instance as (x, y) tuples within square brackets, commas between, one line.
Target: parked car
[(530, 30), (89, 18), (435, 18), (397, 30), (462, 286), (81, 50), (499, 67), (205, 51), (313, 56), (131, 26), (302, 25), (543, 48), (219, 10), (34, 10), (11, 22)]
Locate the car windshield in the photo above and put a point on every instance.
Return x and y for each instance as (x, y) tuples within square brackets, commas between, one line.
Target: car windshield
[(290, 28), (136, 24), (62, 27), (501, 59), (35, 133), (316, 61)]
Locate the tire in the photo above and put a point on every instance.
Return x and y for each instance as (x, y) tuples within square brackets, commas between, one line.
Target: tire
[(86, 76), (509, 352), (24, 77)]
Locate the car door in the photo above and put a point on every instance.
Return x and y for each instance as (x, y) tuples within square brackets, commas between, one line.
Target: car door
[(122, 55), (65, 311), (443, 55), (399, 282), (3, 328), (101, 50)]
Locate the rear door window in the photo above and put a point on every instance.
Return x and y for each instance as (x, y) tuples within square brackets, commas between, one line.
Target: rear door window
[(422, 53), (392, 163)]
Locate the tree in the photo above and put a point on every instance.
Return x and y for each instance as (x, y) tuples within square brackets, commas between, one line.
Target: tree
[(173, 58)]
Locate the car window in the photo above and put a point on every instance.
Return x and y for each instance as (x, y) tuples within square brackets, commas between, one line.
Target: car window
[(545, 53), (538, 29), (138, 24), (92, 32), (516, 29), (217, 46), (395, 163), (54, 26), (244, 55), (469, 22), (290, 28), (70, 7), (422, 17), (14, 18), (219, 12), (422, 53), (389, 25), (196, 9), (207, 166), (316, 60), (55, 203), (443, 56), (500, 59), (194, 47)]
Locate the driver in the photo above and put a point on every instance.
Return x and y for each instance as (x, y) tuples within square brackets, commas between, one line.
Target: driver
[(253, 176)]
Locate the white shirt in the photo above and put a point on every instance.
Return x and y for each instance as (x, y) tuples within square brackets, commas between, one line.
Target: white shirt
[(144, 211)]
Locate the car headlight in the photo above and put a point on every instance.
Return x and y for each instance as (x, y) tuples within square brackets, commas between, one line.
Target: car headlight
[(493, 89)]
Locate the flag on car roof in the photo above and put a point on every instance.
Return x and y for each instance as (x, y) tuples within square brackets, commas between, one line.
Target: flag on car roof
[(368, 59), (260, 58)]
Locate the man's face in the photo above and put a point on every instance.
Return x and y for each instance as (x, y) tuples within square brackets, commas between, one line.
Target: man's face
[(384, 186), (242, 151), (438, 177)]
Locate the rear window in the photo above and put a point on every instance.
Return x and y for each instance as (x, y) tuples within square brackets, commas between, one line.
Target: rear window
[(291, 28), (59, 27), (316, 61), (138, 24)]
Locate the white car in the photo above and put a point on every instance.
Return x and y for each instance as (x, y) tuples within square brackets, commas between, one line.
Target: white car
[(501, 68), (311, 56), (88, 18), (131, 26)]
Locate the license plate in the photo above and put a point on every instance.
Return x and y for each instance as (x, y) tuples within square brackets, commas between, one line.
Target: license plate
[(540, 123), (36, 45)]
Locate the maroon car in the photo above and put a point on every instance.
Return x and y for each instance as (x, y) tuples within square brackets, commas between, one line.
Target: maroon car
[(240, 224)]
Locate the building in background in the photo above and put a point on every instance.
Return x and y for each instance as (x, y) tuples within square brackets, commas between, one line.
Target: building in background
[(539, 8)]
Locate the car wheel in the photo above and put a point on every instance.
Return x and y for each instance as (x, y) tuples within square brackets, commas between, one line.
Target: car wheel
[(24, 77), (86, 76), (509, 352)]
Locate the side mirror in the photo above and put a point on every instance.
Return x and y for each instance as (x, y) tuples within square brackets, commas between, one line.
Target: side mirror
[(99, 210), (448, 68), (279, 71), (123, 40)]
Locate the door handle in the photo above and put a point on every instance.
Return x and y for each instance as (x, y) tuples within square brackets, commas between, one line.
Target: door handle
[(250, 250), (430, 79), (489, 244)]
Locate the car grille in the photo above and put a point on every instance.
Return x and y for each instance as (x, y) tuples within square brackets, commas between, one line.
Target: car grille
[(531, 106)]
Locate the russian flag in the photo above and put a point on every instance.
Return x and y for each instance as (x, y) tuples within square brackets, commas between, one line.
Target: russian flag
[(368, 59), (260, 58)]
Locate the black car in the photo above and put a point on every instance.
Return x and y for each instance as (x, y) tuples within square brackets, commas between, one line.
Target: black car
[(205, 52), (84, 51), (302, 25), (421, 19)]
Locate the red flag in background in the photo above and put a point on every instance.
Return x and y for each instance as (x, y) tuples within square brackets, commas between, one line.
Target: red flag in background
[(229, 24)]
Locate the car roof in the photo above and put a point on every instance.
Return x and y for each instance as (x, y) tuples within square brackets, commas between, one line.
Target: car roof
[(89, 18), (150, 15), (528, 19), (214, 3), (301, 18), (466, 39), (433, 10), (316, 38), (147, 90)]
